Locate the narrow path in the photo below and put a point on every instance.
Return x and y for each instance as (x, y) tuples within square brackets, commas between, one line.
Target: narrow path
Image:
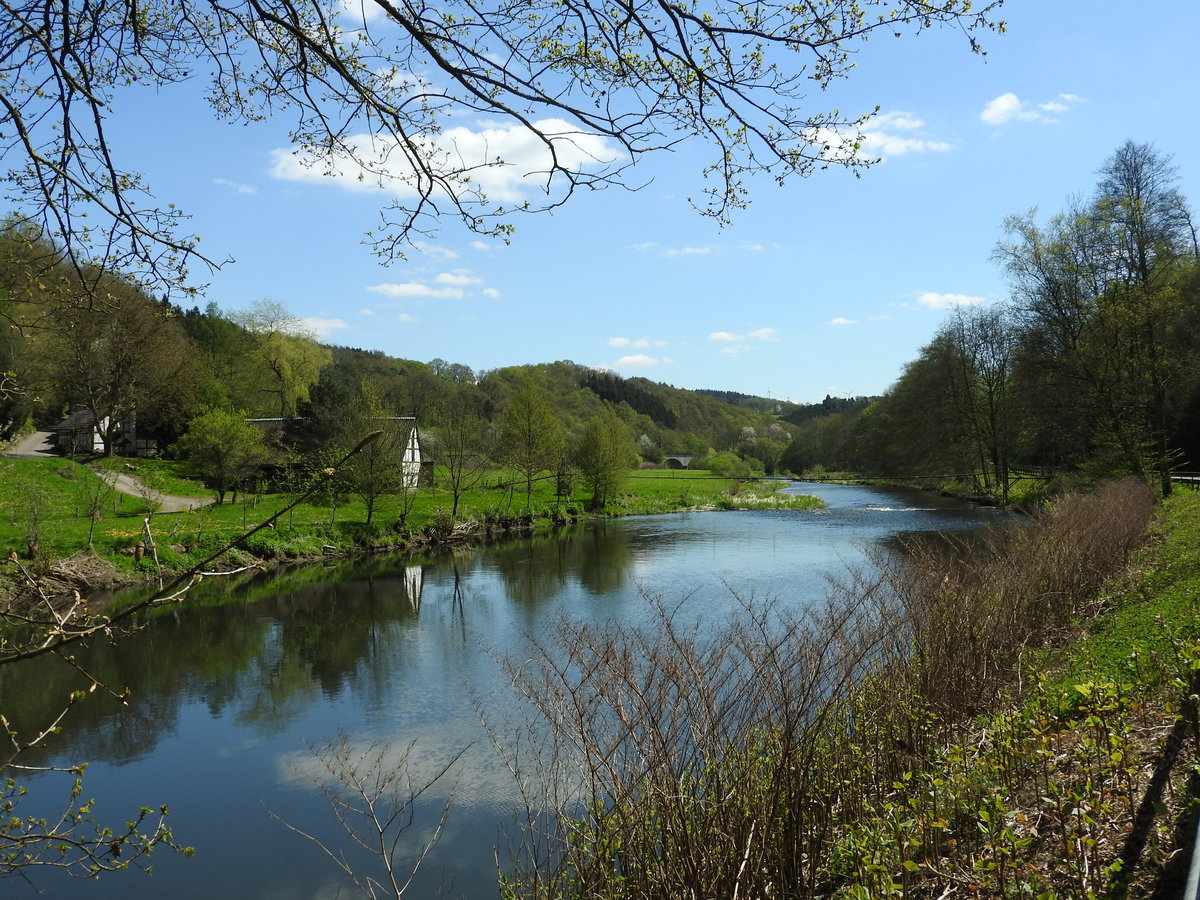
[(167, 503), (40, 445)]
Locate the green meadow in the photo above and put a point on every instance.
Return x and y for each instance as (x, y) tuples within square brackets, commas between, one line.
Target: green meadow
[(50, 508)]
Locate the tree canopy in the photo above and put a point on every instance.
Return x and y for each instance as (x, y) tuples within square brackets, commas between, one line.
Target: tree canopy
[(378, 89), (1089, 369)]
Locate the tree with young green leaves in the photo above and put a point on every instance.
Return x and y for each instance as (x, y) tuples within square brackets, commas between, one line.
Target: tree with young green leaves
[(371, 89), (604, 455), (378, 470), (532, 438), (226, 359), (913, 430), (459, 445), (289, 359), (129, 363), (981, 351), (1096, 293), (224, 448), (1152, 234)]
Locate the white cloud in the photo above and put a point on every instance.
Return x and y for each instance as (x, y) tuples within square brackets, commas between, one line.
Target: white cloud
[(503, 163), (883, 135), (842, 320), (1009, 107), (932, 300), (359, 14), (416, 289), (897, 133), (458, 278), (435, 251), (735, 349), (635, 343), (1005, 108), (674, 252), (240, 188), (640, 361), (366, 311), (492, 293), (671, 252), (759, 334), (406, 317), (323, 328)]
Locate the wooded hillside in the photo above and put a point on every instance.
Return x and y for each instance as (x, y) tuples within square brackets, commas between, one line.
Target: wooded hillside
[(120, 353)]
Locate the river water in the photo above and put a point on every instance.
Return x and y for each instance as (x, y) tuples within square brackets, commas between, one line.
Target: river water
[(231, 691)]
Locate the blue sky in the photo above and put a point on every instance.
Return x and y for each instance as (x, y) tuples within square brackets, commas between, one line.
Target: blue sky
[(828, 285)]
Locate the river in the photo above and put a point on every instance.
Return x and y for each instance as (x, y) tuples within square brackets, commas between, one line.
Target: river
[(231, 691)]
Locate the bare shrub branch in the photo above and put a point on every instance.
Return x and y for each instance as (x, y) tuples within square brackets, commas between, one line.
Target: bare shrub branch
[(373, 796), (676, 761)]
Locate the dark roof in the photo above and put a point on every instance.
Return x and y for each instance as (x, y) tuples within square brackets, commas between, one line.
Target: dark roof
[(78, 420)]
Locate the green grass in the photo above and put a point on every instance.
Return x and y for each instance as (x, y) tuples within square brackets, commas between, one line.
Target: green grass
[(49, 498), (1154, 615)]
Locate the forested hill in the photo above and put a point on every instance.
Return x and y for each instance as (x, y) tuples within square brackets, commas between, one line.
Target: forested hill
[(137, 356)]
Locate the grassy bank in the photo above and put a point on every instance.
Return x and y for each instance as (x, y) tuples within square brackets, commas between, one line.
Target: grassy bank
[(1080, 781), (58, 515), (1005, 717)]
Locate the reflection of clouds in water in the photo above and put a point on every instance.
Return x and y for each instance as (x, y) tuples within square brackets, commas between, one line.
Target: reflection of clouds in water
[(481, 793), (478, 779), (229, 751), (327, 889)]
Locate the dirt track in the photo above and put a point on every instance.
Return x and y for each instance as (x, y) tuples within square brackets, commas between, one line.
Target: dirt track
[(38, 446), (167, 503)]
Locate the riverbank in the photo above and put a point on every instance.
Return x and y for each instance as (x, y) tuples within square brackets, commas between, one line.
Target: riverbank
[(1025, 492), (1082, 782), (68, 529), (990, 770)]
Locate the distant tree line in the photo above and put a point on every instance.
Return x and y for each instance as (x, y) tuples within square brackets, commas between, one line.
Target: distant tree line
[(615, 389), (800, 413), (1088, 369), (761, 404)]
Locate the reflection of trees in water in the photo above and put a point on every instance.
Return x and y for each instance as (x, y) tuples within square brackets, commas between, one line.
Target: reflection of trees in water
[(606, 556), (262, 662), (597, 558), (262, 650)]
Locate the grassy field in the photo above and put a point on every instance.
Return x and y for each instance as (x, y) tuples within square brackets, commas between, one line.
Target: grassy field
[(49, 508)]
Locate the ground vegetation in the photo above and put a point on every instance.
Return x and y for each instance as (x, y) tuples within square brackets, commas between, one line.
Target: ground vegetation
[(975, 719)]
